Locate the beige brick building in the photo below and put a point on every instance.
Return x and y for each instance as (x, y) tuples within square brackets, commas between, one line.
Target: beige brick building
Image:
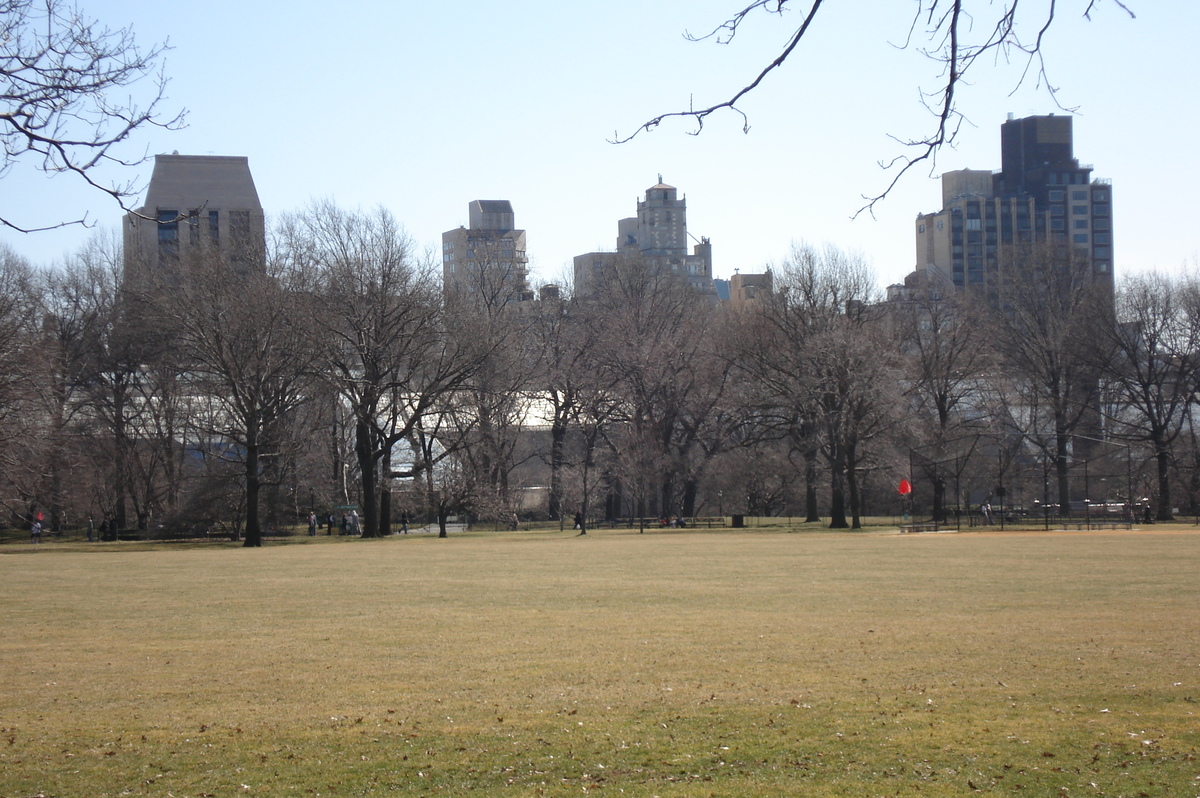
[(196, 206)]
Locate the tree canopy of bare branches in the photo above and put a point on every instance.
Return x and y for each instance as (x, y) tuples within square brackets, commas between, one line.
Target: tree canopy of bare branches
[(963, 36), (65, 97)]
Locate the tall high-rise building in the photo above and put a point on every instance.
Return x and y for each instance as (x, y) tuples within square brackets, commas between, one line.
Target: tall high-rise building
[(486, 260), (1041, 193), (196, 206), (656, 237)]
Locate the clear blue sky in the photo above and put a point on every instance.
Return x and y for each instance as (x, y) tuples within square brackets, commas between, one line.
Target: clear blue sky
[(424, 106)]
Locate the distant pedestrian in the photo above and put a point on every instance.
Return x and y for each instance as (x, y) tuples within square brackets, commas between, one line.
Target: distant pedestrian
[(354, 525), (329, 528), (345, 524), (312, 524), (35, 531), (91, 530), (404, 522)]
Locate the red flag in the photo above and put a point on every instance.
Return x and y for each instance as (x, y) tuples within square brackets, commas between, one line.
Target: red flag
[(905, 487)]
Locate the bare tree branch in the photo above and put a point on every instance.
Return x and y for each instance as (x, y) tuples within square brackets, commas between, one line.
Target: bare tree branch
[(946, 24), (62, 76), (731, 26)]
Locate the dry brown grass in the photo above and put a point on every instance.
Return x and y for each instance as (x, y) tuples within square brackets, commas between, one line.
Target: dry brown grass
[(682, 663)]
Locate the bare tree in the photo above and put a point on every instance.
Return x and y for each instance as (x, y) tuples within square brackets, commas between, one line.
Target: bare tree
[(490, 314), (778, 407), (22, 378), (241, 339), (829, 366), (65, 97), (378, 321), (946, 355), (565, 345), (1154, 342), (658, 347), (962, 36), (1046, 332)]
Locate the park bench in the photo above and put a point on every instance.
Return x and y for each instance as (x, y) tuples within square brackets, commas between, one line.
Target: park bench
[(1092, 523), (709, 521), (924, 526)]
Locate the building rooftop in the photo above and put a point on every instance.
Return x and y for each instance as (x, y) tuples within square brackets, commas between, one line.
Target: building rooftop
[(189, 181)]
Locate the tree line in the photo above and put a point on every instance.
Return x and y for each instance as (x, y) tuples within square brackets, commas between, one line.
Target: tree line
[(337, 374)]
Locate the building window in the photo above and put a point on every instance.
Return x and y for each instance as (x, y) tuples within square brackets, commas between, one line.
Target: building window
[(1101, 238), (1078, 195), (974, 224), (1080, 238), (1100, 210), (1102, 266), (193, 225), (1081, 224), (1079, 210), (168, 232), (920, 228), (1100, 196), (1057, 195), (1056, 210), (1057, 224), (214, 227), (1102, 252), (939, 224)]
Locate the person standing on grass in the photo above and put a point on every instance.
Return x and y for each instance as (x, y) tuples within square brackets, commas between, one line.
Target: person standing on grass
[(35, 531), (91, 528), (312, 524), (404, 522), (579, 523)]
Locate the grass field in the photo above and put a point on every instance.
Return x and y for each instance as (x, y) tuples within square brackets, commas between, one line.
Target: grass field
[(684, 663)]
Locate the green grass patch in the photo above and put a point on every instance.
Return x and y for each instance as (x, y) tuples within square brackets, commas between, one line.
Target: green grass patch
[(688, 663)]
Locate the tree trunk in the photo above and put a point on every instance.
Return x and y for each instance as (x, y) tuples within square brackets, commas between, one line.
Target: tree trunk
[(939, 499), (689, 498), (365, 452), (385, 491), (837, 491), (253, 530), (1062, 471), (852, 489), (812, 513), (558, 436), (1164, 483)]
